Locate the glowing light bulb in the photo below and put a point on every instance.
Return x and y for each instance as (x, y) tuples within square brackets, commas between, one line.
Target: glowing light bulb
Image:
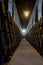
[(26, 13)]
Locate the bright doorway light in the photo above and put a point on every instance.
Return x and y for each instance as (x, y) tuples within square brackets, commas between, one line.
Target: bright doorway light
[(23, 32), (26, 13)]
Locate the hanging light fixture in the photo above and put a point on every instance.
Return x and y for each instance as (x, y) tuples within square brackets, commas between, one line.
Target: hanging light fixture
[(26, 12)]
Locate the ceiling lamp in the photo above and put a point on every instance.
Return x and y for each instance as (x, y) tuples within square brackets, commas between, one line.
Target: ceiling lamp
[(26, 13)]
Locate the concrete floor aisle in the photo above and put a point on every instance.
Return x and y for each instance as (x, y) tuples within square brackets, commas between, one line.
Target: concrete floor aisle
[(26, 55)]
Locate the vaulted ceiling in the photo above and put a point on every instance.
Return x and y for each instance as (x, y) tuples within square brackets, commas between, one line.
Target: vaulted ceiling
[(21, 6)]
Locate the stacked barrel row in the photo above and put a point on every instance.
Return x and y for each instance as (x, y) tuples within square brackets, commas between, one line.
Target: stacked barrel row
[(9, 35), (35, 36)]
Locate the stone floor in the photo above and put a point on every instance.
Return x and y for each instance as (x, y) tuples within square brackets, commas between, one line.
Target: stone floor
[(26, 55)]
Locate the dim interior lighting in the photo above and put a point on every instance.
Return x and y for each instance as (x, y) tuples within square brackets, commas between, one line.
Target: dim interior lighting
[(26, 13)]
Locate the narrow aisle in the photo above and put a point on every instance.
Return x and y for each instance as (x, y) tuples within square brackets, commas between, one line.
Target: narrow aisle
[(26, 55)]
